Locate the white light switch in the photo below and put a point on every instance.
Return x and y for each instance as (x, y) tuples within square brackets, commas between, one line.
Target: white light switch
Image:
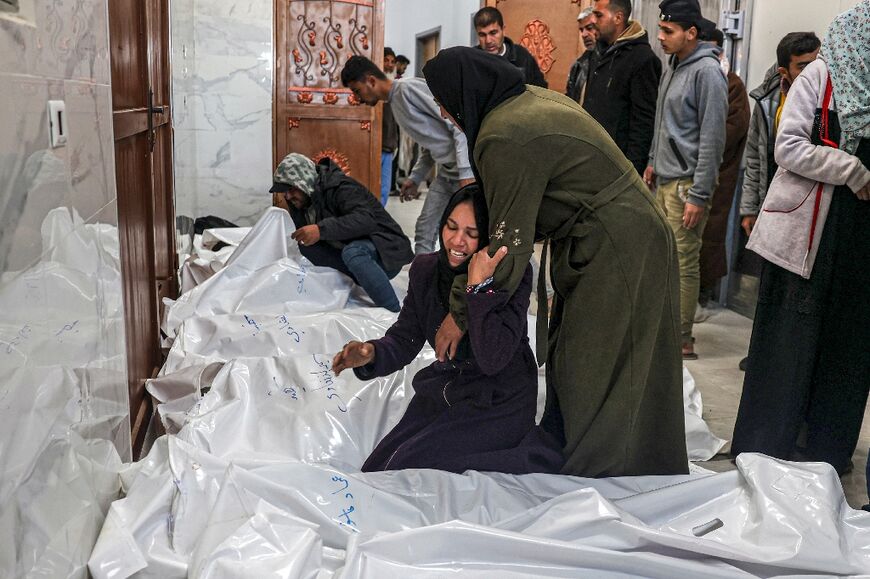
[(57, 124)]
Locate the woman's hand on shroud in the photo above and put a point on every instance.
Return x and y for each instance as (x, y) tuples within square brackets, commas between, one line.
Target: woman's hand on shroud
[(447, 339), (482, 266), (353, 355)]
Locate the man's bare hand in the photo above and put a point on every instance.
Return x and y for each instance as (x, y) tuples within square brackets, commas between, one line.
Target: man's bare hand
[(748, 223), (353, 355), (649, 177), (863, 193), (464, 182), (692, 215), (447, 339), (307, 235), (409, 191)]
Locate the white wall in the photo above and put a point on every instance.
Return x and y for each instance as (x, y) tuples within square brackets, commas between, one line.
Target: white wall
[(405, 19), (773, 19)]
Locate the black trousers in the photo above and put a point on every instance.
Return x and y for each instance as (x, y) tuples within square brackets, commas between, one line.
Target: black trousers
[(809, 356)]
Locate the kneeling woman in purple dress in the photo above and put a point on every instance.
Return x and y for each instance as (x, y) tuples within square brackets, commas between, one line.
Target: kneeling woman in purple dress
[(474, 407)]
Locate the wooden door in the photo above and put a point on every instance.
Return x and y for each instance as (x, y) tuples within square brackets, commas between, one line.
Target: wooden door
[(139, 36), (314, 114), (431, 45), (548, 30)]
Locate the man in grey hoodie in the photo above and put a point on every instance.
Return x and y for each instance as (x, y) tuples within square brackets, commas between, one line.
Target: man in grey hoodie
[(688, 142), (441, 143)]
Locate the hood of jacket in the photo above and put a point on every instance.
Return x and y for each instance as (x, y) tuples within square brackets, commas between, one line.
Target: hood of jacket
[(634, 34), (704, 50), (630, 37), (329, 175), (771, 83)]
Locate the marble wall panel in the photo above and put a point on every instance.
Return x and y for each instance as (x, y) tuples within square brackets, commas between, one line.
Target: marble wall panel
[(68, 40), (222, 97), (35, 178)]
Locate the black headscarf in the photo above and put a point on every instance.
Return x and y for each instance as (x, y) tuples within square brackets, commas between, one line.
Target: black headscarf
[(445, 274), (469, 83)]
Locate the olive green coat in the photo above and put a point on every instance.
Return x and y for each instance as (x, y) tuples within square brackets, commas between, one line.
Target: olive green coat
[(550, 171)]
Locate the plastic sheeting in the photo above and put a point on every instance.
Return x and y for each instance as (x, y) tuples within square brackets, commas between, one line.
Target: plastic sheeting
[(261, 327), (64, 422), (203, 261), (259, 477), (275, 274), (191, 512)]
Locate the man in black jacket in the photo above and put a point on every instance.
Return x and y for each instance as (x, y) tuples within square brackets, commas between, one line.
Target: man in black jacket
[(623, 82), (340, 224), (580, 69), (489, 24)]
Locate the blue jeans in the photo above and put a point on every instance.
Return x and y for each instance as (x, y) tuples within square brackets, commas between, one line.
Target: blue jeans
[(362, 260), (386, 176), (426, 230)]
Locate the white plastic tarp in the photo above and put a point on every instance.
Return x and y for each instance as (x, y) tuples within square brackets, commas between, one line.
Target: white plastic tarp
[(260, 327), (260, 478), (202, 260), (64, 414), (259, 280), (190, 513)]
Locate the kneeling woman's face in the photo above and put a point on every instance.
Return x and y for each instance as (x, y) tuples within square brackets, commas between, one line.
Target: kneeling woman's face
[(460, 234)]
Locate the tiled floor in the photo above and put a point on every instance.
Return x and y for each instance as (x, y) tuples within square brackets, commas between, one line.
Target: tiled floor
[(721, 342)]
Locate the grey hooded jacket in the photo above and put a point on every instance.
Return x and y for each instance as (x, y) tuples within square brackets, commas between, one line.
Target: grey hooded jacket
[(689, 136), (441, 143), (758, 157)]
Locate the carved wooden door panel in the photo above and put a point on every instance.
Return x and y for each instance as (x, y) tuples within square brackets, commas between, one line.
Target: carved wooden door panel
[(314, 114), (548, 30)]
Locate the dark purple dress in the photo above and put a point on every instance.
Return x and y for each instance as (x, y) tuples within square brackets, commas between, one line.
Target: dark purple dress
[(474, 414)]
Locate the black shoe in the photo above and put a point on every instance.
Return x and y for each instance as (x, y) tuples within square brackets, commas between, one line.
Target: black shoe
[(742, 364)]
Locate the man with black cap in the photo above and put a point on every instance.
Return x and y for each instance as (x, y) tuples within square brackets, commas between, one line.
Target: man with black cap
[(340, 224), (688, 142)]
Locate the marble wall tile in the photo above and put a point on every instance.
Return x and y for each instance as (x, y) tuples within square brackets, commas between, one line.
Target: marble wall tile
[(69, 40), (35, 178), (245, 10), (186, 193), (223, 108), (235, 197), (18, 47)]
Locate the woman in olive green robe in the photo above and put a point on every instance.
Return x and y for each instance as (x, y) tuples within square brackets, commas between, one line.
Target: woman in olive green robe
[(550, 172)]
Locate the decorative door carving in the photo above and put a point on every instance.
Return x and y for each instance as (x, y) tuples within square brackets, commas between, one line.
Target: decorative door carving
[(314, 114), (548, 30)]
